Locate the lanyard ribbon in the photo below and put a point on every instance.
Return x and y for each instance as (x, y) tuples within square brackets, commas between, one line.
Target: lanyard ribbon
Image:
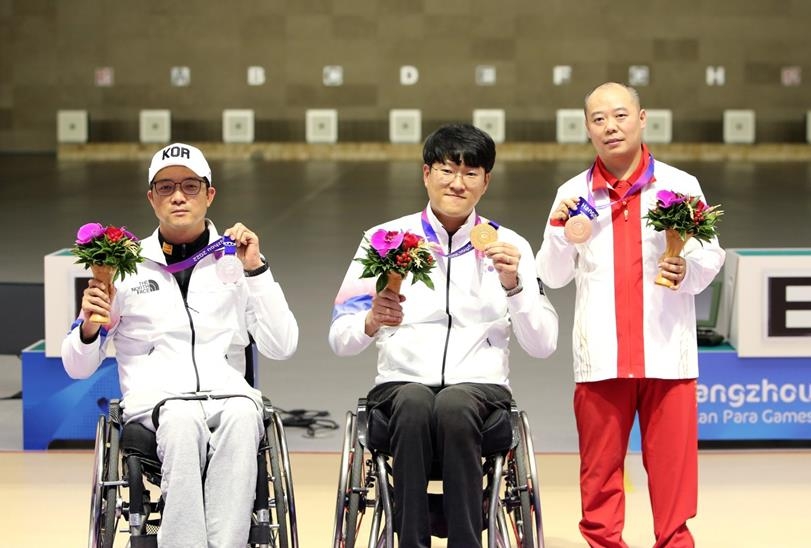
[(430, 234), (643, 180), (200, 255)]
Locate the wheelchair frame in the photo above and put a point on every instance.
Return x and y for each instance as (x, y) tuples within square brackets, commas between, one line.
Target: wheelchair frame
[(273, 520), (366, 483)]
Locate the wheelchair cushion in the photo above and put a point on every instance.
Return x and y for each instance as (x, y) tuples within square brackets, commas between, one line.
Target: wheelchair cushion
[(497, 432), (138, 440)]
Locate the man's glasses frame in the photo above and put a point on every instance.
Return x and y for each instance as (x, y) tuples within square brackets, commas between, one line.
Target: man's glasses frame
[(190, 186), (446, 175)]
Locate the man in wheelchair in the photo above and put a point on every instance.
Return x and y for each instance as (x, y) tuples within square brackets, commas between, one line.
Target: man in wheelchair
[(442, 365), (180, 332)]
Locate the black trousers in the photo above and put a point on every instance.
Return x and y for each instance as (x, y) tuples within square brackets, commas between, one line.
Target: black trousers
[(443, 423)]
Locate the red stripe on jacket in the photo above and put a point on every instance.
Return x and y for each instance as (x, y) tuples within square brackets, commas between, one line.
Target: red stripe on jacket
[(626, 222)]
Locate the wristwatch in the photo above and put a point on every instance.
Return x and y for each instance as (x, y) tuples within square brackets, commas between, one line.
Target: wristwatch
[(515, 290), (258, 270)]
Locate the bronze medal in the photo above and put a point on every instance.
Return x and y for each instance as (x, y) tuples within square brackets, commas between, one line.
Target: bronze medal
[(577, 229)]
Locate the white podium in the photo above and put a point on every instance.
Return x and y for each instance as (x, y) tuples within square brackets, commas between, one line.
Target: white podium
[(64, 283), (766, 302)]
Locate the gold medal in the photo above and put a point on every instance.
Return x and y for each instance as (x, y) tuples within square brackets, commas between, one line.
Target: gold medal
[(577, 229), (482, 234)]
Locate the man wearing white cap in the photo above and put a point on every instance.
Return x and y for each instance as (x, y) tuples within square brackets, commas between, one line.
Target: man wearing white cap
[(180, 332)]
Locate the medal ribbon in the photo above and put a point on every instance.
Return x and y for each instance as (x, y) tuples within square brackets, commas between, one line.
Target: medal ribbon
[(585, 208), (200, 255), (643, 180)]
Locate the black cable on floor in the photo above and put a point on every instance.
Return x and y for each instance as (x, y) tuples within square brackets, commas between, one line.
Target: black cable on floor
[(315, 423)]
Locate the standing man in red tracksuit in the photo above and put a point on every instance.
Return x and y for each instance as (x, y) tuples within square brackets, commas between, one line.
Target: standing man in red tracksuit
[(634, 342)]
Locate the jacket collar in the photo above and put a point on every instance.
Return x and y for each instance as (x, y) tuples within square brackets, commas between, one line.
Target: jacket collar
[(460, 237), (601, 177), (151, 246)]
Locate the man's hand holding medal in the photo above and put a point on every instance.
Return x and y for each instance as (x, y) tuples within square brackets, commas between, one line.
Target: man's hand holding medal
[(505, 257), (575, 214)]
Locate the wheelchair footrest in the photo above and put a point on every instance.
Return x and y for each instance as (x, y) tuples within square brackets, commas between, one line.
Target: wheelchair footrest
[(145, 541)]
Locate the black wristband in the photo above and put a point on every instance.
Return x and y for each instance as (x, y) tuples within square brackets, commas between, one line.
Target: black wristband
[(257, 271)]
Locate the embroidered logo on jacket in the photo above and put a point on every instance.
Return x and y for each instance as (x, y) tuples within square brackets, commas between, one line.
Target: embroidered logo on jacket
[(146, 286)]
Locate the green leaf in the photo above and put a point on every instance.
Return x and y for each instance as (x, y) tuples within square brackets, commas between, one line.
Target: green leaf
[(381, 282)]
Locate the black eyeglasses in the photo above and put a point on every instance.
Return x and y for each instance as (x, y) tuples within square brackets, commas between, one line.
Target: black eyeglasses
[(167, 187)]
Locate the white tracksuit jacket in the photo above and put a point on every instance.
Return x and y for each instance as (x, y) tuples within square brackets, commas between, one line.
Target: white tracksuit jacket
[(669, 316), (165, 347), (457, 332)]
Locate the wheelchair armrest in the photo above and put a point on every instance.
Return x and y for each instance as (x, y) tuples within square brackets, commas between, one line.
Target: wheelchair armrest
[(515, 420), (362, 421), (267, 410), (114, 411)]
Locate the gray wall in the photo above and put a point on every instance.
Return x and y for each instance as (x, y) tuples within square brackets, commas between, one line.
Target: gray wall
[(50, 49)]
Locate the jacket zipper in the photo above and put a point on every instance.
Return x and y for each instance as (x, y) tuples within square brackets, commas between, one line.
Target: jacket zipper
[(447, 311), (193, 338)]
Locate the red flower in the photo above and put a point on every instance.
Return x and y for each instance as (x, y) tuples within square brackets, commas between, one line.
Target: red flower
[(410, 240), (403, 259), (113, 233)]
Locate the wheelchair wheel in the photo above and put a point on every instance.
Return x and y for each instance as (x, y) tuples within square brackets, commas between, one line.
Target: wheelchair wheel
[(350, 501), (532, 525), (103, 497), (522, 514), (355, 485), (535, 497), (280, 504)]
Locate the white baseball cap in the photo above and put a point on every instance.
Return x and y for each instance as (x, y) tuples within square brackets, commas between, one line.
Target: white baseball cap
[(179, 154)]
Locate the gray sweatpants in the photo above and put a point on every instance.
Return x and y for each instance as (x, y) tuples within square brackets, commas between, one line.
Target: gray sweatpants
[(219, 438)]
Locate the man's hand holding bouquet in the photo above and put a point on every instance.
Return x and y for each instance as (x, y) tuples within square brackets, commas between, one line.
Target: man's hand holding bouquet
[(681, 217), (109, 252)]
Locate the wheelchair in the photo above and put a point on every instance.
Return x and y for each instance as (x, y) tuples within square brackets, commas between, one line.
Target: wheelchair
[(511, 503), (126, 455)]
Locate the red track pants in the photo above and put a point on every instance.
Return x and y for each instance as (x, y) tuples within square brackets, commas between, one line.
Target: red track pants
[(668, 422)]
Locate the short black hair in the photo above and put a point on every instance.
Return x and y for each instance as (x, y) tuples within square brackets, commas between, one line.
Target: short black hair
[(460, 143)]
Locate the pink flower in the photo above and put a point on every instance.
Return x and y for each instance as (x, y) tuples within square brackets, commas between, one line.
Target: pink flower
[(89, 232), (384, 241), (129, 235), (667, 198)]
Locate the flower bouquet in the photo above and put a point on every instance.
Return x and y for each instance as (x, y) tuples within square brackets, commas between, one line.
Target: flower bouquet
[(681, 217), (393, 254), (109, 252)]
